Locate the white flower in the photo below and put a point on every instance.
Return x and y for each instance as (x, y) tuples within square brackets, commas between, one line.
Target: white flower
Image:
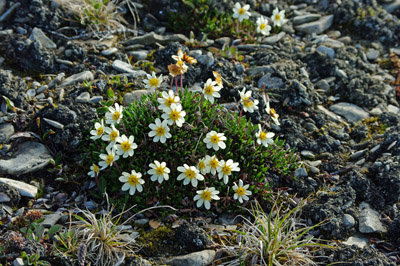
[(114, 115), (126, 146), (264, 138), (278, 18), (241, 12), (108, 159), (152, 82), (205, 196), (225, 169), (202, 166), (262, 26), (272, 113), (241, 192), (215, 140), (212, 164), (159, 171), (167, 99), (174, 114), (249, 105), (133, 182), (111, 135), (160, 131), (211, 90), (95, 170), (98, 131), (190, 174)]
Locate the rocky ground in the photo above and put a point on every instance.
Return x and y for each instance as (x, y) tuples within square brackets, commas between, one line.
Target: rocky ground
[(332, 71)]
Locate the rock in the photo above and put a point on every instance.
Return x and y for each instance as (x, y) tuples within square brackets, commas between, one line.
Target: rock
[(322, 85), (191, 237), (64, 62), (331, 115), (110, 51), (39, 36), (3, 4), (307, 154), (206, 59), (139, 55), (274, 38), (358, 240), (270, 82), (133, 96), (369, 220), (152, 38), (31, 156), (393, 109), (142, 221), (9, 194), (4, 197), (333, 43), (21, 30), (56, 80), (96, 99), (301, 172), (53, 123), (350, 111), (305, 18), (6, 15), (18, 262), (348, 220), (326, 50), (345, 39), (341, 73), (201, 258), (23, 189), (84, 97), (372, 55), (391, 7), (318, 26), (30, 93), (357, 155), (127, 68), (80, 77), (6, 131), (51, 219)]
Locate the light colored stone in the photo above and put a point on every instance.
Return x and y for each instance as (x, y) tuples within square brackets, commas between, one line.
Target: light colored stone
[(318, 26), (24, 189), (31, 156), (305, 18), (4, 197), (349, 111), (372, 55), (110, 51), (133, 96), (391, 7), (369, 220), (6, 131), (358, 240), (201, 258), (96, 99), (123, 67), (53, 123), (79, 77), (333, 43), (138, 55), (51, 219), (273, 38), (152, 38), (84, 97), (301, 172), (18, 262), (376, 111), (327, 51), (6, 15), (331, 115), (393, 109), (39, 36), (348, 220)]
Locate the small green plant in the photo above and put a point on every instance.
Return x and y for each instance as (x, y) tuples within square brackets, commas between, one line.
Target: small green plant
[(273, 239), (228, 52), (33, 259)]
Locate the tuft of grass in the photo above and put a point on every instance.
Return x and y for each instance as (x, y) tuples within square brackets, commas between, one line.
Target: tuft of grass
[(273, 239)]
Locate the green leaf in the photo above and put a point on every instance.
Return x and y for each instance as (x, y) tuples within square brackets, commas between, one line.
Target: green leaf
[(10, 104), (213, 50), (233, 50), (54, 229), (110, 93), (102, 110), (109, 103), (240, 58)]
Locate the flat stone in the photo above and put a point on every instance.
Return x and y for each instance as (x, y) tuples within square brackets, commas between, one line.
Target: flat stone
[(96, 99), (152, 38), (358, 240), (18, 262), (307, 154), (349, 111), (270, 82), (372, 55), (51, 219), (6, 131), (348, 220), (201, 258), (331, 115), (393, 109), (318, 26), (110, 51), (21, 30), (123, 67), (4, 197), (138, 55), (341, 73), (391, 7), (84, 97), (357, 155), (345, 39), (333, 43), (369, 220), (322, 85), (79, 77), (395, 50), (305, 18), (301, 172), (64, 62), (206, 59), (30, 93), (327, 51), (24, 189), (53, 123), (30, 157), (134, 96), (39, 36), (6, 15), (273, 38)]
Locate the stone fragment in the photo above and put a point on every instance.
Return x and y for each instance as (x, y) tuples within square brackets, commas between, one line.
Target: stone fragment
[(6, 15), (51, 219), (349, 111), (31, 156), (53, 123), (39, 36), (392, 6), (318, 26), (273, 38), (96, 99), (123, 67), (79, 77), (369, 220), (138, 55), (152, 38), (206, 59), (18, 262), (358, 240), (305, 18), (6, 131), (327, 51), (201, 258), (301, 172), (348, 220), (84, 97), (331, 115), (24, 189), (372, 55), (110, 51), (133, 96), (393, 109)]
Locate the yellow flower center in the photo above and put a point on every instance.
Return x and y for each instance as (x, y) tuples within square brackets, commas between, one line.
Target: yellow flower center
[(174, 115), (190, 174), (109, 159), (133, 180), (214, 163), (226, 170), (202, 165), (240, 191), (214, 139), (96, 169), (160, 131), (242, 11), (126, 146), (160, 170), (247, 102), (209, 90), (116, 115), (263, 135), (273, 113), (277, 17), (154, 82), (169, 101), (262, 26), (100, 131), (206, 195), (113, 135)]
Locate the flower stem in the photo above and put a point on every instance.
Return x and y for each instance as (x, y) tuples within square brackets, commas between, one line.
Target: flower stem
[(116, 165), (123, 126), (176, 83), (182, 84), (240, 116)]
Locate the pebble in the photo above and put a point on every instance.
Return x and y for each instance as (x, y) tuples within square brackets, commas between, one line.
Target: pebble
[(30, 93), (376, 111), (4, 197), (84, 97), (372, 55), (274, 38), (331, 115), (110, 51), (333, 43), (133, 96), (18, 262), (123, 67), (40, 96), (6, 131), (56, 80), (348, 221), (305, 18), (312, 182), (152, 38), (327, 51), (39, 36), (79, 77), (31, 156), (96, 99), (53, 123), (42, 88), (341, 73), (357, 155), (393, 109), (201, 258), (307, 154), (322, 84), (65, 62), (24, 189), (350, 111), (206, 59), (313, 169), (358, 240), (139, 55), (301, 172), (6, 15), (51, 219), (317, 27), (392, 6), (21, 30), (142, 221), (270, 82), (369, 221)]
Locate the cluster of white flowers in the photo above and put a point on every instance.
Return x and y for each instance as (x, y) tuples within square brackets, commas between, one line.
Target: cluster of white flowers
[(277, 19)]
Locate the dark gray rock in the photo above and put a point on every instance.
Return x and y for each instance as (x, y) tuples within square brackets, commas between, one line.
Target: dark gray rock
[(9, 194), (327, 51), (349, 111), (6, 131)]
